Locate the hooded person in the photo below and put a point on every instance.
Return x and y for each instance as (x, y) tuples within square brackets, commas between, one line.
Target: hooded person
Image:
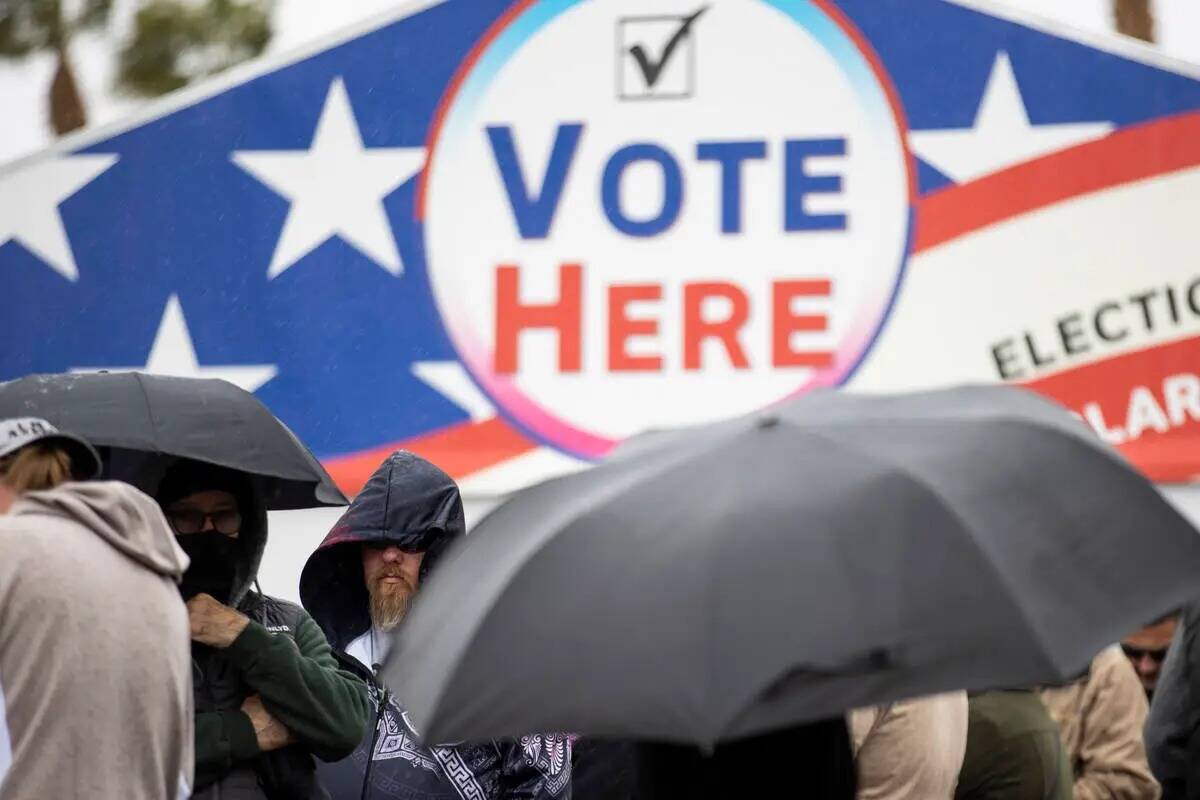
[(95, 678), (269, 694), (357, 586)]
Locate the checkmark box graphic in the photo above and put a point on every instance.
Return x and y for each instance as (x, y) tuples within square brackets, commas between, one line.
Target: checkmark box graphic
[(656, 56)]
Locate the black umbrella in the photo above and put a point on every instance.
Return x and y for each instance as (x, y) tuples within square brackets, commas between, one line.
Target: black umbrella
[(137, 419), (838, 551)]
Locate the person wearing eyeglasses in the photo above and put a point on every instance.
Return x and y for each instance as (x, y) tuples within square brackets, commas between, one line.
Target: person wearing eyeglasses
[(268, 692), (1147, 649)]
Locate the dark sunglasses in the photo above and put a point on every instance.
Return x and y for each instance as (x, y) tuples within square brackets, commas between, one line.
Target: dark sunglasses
[(189, 520), (1138, 653), (384, 544)]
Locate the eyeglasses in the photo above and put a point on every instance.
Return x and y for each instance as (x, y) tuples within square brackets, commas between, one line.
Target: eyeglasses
[(190, 520), (1138, 653)]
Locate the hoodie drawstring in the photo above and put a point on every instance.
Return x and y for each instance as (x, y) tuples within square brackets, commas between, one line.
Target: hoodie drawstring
[(366, 790)]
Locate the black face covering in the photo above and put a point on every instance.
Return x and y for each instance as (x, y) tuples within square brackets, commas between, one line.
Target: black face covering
[(214, 560)]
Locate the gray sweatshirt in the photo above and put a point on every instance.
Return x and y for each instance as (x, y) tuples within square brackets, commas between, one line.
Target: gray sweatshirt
[(95, 664)]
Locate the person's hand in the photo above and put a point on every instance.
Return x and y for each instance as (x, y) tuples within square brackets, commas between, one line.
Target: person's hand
[(214, 624), (270, 732)]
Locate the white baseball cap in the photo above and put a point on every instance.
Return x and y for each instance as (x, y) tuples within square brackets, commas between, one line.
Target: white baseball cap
[(23, 431)]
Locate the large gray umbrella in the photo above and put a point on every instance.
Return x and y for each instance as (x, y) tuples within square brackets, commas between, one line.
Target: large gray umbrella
[(835, 552), (140, 422)]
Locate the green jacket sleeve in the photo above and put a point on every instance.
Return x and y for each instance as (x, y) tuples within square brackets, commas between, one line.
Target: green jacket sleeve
[(300, 683), (223, 738)]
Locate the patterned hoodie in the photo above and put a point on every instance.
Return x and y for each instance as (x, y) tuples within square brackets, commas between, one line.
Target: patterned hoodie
[(416, 506)]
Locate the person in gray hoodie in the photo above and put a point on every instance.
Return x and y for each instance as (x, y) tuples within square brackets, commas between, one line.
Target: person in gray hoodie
[(95, 669)]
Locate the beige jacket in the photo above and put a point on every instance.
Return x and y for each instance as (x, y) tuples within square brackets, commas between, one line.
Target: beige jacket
[(95, 657), (912, 749), (1101, 718)]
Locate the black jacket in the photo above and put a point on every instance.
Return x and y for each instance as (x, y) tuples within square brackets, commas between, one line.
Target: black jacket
[(415, 505), (283, 657), (807, 761), (1173, 727)]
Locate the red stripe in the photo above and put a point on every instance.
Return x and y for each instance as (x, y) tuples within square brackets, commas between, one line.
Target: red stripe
[(460, 75), (885, 80), (1134, 153), (1170, 456), (458, 449)]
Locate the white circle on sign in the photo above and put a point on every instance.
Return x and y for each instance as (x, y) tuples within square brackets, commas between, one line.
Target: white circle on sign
[(596, 306)]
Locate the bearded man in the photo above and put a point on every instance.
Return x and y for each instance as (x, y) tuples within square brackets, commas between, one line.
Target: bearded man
[(358, 586)]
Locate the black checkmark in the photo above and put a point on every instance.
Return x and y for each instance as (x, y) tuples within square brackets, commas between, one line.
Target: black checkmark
[(652, 70)]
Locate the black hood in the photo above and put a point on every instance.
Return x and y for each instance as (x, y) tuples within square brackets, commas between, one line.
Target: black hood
[(186, 476), (407, 502)]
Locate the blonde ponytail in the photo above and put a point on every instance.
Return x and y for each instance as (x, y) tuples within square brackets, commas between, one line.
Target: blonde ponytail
[(36, 467)]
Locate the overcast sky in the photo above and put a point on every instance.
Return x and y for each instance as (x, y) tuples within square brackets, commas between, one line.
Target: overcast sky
[(23, 84)]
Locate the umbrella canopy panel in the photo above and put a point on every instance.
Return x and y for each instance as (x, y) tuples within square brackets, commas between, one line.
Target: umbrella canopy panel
[(133, 417), (839, 551)]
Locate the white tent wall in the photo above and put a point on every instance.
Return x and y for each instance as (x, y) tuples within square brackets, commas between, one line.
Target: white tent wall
[(295, 534)]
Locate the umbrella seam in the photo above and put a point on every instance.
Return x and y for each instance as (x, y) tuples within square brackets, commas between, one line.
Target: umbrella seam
[(919, 481), (921, 485), (137, 376), (712, 647)]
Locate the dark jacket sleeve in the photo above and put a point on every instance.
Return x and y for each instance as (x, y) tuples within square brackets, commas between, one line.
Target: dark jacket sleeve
[(1172, 730), (300, 683), (537, 768), (223, 738)]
